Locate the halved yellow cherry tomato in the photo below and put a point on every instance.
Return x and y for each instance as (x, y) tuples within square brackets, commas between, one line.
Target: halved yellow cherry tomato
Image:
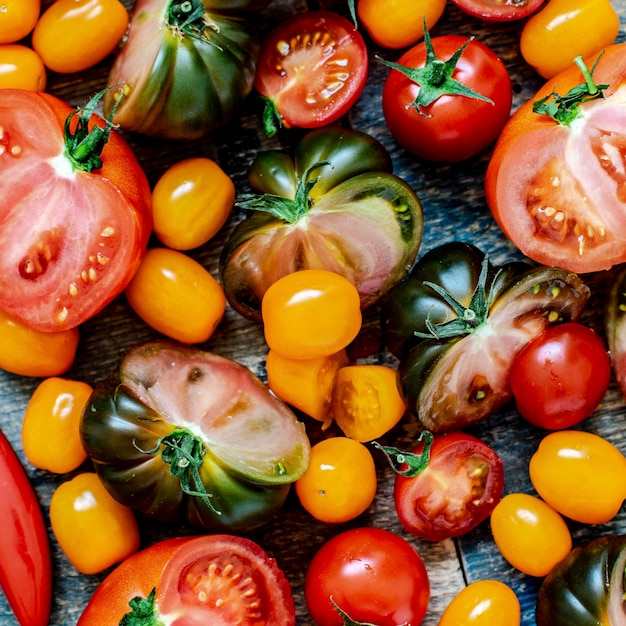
[(341, 481), (17, 19), (94, 530), (21, 68), (191, 202), (366, 401), (176, 295), (50, 429), (30, 352)]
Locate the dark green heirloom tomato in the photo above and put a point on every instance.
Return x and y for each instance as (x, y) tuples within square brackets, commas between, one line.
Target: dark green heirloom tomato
[(186, 66), (587, 587), (615, 323), (332, 204), (179, 433), (456, 323)]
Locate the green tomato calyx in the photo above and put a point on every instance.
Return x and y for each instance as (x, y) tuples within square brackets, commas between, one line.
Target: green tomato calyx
[(408, 464), (190, 18), (142, 612)]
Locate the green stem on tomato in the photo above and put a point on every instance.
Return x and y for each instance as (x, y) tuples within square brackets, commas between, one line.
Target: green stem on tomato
[(408, 464), (142, 612)]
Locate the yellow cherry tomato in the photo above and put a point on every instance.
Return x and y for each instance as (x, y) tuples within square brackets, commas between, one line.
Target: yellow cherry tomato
[(306, 384), (529, 533), (580, 474), (398, 24), (21, 68), (17, 19), (366, 401), (74, 35), (341, 481), (483, 603), (191, 202), (93, 530), (311, 313), (50, 429), (30, 352), (176, 295), (565, 29)]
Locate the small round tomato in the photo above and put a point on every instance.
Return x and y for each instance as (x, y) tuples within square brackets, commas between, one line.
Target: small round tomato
[(311, 313), (191, 202), (483, 603), (397, 24), (457, 490), (372, 575), (340, 482), (529, 533), (176, 295), (94, 530), (17, 19), (561, 376), (311, 69), (366, 401), (29, 352), (580, 474), (499, 11), (74, 35), (50, 429), (444, 107), (21, 68), (563, 30), (306, 384)]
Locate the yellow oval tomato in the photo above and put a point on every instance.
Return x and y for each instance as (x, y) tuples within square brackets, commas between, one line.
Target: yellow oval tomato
[(580, 474), (366, 401), (73, 35), (30, 352), (191, 202), (93, 530), (341, 481), (483, 603), (21, 68), (17, 19), (563, 30), (50, 429), (398, 24), (306, 384), (176, 295), (529, 533)]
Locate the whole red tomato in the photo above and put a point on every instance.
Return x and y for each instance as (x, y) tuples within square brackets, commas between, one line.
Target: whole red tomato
[(372, 575), (74, 211), (447, 98)]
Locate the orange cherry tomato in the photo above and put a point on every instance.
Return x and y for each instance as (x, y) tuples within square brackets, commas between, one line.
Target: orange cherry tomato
[(176, 295), (17, 19), (341, 481), (398, 24), (580, 474), (483, 603), (306, 384), (191, 202), (311, 313), (50, 429), (21, 68), (29, 352), (529, 533), (366, 401), (74, 35), (93, 530)]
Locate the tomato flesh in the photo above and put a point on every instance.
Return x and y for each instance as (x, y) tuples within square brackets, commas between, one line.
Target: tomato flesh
[(499, 10)]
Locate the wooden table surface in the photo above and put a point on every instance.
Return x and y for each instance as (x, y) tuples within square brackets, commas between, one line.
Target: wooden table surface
[(454, 208)]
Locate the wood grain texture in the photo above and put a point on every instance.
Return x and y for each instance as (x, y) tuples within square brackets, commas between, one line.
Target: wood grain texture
[(454, 208)]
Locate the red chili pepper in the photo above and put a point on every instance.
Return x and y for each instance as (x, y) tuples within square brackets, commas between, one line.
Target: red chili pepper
[(25, 564)]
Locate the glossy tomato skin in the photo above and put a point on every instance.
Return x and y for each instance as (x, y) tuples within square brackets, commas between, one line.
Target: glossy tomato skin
[(21, 68), (18, 19), (360, 569), (457, 490), (355, 199), (312, 67), (519, 303), (48, 285), (587, 587), (453, 127), (163, 567), (132, 428), (498, 11)]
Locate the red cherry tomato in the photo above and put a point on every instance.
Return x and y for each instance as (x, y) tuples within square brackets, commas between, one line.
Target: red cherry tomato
[(499, 11)]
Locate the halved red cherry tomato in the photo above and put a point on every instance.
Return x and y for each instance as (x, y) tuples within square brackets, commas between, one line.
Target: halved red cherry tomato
[(21, 68), (17, 19), (499, 10), (311, 69)]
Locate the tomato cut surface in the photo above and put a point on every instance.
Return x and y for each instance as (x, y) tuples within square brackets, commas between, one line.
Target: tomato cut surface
[(499, 10)]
